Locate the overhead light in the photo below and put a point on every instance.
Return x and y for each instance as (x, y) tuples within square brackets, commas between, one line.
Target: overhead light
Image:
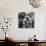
[(35, 3)]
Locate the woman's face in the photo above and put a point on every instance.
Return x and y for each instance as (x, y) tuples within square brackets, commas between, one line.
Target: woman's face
[(27, 21)]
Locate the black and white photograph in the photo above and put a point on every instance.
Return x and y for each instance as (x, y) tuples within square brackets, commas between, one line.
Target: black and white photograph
[(26, 20)]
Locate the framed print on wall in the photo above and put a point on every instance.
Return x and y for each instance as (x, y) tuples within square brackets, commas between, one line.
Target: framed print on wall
[(26, 20)]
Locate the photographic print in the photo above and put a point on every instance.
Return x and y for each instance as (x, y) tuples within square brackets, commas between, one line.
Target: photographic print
[(26, 20)]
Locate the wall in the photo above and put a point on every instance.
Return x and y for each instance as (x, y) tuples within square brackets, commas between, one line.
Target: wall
[(11, 8)]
